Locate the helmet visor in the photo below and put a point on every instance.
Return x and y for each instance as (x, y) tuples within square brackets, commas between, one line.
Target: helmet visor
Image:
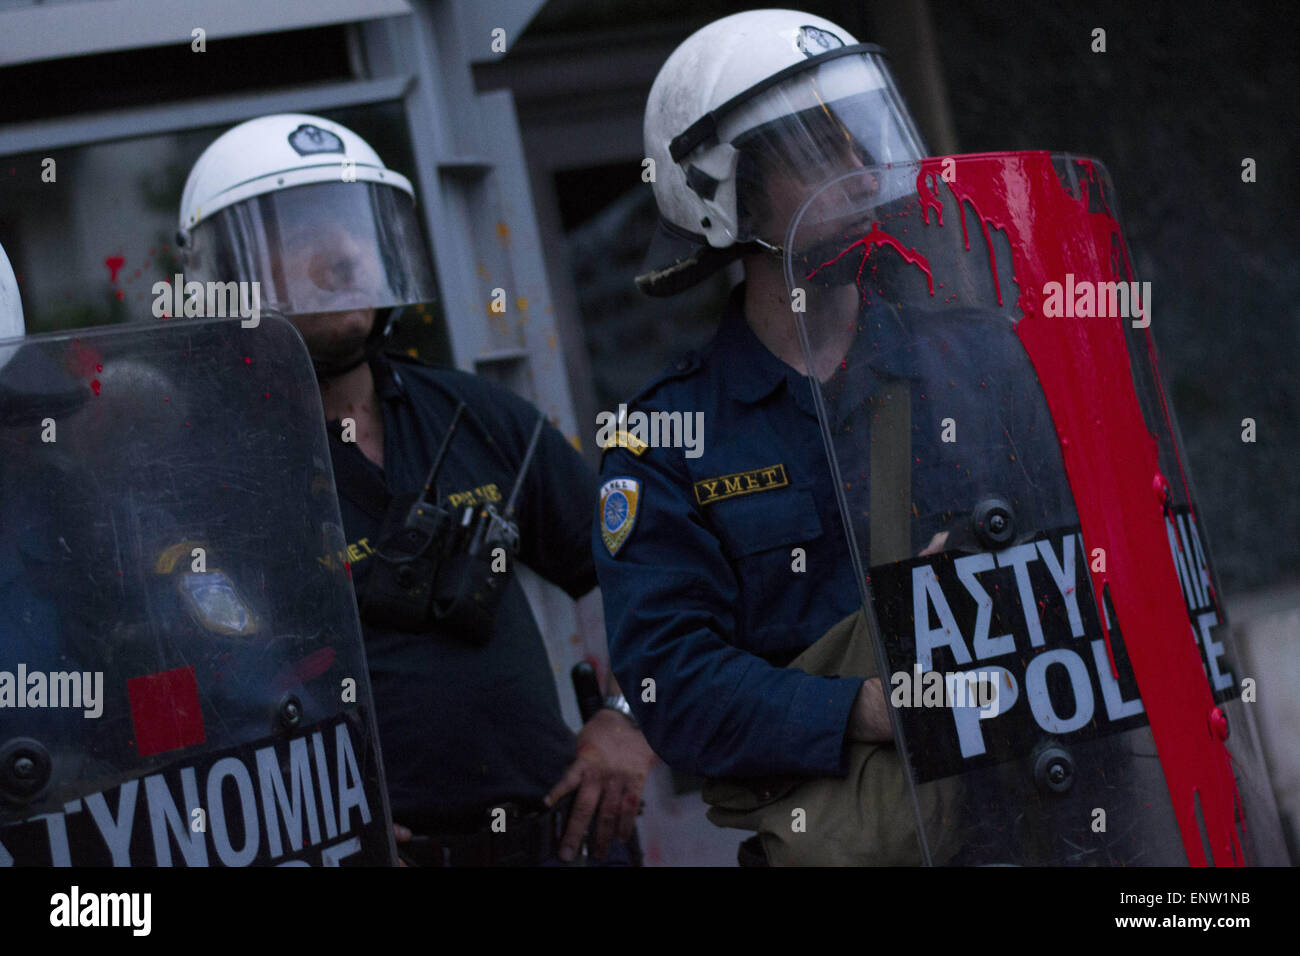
[(322, 247), (838, 116)]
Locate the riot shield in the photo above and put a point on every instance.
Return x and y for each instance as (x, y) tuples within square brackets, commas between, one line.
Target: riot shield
[(182, 676), (1032, 568)]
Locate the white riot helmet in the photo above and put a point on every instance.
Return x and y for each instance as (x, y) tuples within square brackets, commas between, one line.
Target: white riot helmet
[(307, 209), (11, 306), (762, 97)]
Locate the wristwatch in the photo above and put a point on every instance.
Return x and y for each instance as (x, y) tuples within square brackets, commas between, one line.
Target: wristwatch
[(619, 703)]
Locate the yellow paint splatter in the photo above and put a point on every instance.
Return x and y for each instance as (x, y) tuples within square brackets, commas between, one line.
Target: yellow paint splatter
[(521, 304), (503, 234)]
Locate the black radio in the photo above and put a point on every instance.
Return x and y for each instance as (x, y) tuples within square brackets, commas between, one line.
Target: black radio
[(435, 563)]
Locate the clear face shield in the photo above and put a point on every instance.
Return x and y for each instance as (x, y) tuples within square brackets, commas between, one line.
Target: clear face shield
[(789, 139), (319, 248)]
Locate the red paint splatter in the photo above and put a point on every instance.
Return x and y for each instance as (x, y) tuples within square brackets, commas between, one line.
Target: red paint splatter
[(83, 361), (248, 360), (1052, 233), (114, 264), (94, 386), (876, 237), (1160, 485), (307, 669)]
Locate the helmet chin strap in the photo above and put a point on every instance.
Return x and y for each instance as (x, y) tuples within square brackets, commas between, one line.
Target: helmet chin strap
[(375, 340), (776, 251)]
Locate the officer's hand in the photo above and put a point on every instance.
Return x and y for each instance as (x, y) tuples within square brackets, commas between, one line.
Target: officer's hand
[(869, 722), (936, 544), (402, 835), (609, 774)]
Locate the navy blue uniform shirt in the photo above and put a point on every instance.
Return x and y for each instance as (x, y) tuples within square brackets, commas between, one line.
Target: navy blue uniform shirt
[(464, 727), (701, 589), (701, 598)]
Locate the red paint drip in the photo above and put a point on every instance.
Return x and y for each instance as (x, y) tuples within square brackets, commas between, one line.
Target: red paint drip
[(929, 198), (94, 386), (876, 237), (1110, 469), (114, 264)]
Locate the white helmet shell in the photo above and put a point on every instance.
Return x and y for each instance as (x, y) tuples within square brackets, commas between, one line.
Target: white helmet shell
[(11, 306), (277, 152), (740, 75), (301, 210)]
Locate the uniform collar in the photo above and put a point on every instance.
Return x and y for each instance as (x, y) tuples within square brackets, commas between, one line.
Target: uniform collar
[(883, 351), (751, 372), (388, 381)]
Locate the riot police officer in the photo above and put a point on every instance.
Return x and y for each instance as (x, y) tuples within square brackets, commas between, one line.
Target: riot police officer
[(444, 479), (702, 562)]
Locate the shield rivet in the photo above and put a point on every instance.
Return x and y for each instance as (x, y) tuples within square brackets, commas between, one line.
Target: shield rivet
[(25, 769), (1054, 769), (290, 712)]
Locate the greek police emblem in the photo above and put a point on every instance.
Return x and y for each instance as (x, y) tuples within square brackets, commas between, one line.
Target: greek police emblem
[(618, 503), (812, 41), (308, 139)]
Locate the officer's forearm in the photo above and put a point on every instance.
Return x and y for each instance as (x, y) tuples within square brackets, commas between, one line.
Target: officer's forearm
[(869, 722)]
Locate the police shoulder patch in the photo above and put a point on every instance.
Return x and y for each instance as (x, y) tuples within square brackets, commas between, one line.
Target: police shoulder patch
[(619, 498)]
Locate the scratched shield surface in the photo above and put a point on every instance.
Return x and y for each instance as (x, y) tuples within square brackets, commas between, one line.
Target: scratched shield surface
[(1037, 582), (182, 676)]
